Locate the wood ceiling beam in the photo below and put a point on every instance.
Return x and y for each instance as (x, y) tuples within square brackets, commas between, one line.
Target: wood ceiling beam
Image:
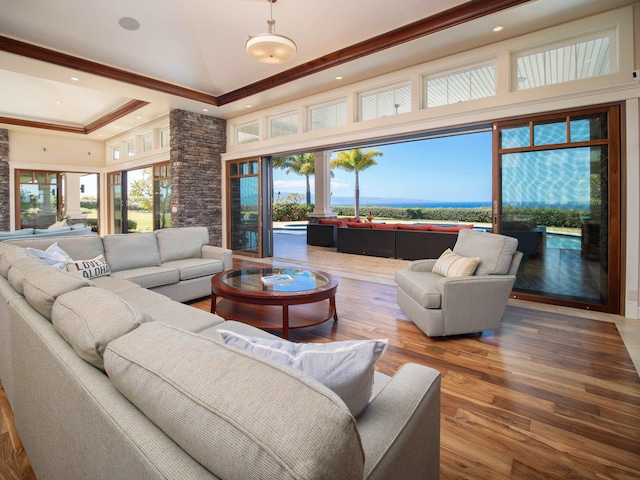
[(452, 17), (36, 52)]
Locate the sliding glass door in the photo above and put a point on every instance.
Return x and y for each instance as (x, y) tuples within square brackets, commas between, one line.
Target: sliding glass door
[(249, 192), (558, 180)]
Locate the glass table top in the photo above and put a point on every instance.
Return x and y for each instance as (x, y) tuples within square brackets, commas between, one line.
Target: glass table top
[(275, 279)]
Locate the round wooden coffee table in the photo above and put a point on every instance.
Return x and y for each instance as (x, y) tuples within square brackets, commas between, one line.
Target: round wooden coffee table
[(274, 298)]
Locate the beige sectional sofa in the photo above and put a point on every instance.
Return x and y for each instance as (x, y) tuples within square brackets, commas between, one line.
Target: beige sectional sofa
[(108, 379)]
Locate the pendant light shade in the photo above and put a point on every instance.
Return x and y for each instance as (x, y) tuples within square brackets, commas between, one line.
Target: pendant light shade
[(270, 47)]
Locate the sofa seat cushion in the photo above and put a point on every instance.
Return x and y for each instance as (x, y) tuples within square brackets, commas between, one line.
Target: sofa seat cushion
[(130, 251), (89, 318), (195, 267), (114, 285), (142, 298), (423, 287), (183, 316), (217, 403), (181, 243), (149, 277)]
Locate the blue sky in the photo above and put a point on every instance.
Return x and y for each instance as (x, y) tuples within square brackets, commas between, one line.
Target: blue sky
[(448, 169)]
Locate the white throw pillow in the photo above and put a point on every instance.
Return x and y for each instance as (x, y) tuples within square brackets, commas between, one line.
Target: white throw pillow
[(451, 265), (93, 268), (54, 255), (60, 224), (345, 367)]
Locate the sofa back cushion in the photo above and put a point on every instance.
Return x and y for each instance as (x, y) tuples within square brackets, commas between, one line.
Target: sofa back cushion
[(20, 269), (236, 414), (494, 251), (41, 290), (89, 318), (129, 251), (181, 243), (8, 255)]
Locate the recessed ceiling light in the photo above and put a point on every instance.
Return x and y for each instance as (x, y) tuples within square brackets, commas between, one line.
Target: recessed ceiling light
[(58, 102), (338, 78), (497, 28), (139, 118), (205, 109), (129, 23), (75, 79), (248, 106)]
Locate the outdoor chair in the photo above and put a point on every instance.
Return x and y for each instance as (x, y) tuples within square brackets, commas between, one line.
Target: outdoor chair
[(441, 303)]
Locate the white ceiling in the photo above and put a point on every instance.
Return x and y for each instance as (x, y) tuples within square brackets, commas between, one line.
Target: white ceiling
[(199, 44)]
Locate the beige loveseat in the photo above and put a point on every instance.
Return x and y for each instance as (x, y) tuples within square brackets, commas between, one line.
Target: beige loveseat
[(175, 401)]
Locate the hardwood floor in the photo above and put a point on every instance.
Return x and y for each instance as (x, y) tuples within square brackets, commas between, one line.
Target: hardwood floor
[(547, 396)]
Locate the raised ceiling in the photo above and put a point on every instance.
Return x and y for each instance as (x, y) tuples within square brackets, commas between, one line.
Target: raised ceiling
[(190, 54)]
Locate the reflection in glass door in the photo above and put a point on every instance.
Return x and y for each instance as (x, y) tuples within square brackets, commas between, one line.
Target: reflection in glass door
[(114, 181), (243, 201), (558, 188)]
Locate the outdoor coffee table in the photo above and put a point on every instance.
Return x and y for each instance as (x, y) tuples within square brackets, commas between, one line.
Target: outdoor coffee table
[(274, 298)]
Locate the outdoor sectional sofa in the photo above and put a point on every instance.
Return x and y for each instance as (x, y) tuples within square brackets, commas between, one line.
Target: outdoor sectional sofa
[(78, 229), (110, 380), (392, 240)]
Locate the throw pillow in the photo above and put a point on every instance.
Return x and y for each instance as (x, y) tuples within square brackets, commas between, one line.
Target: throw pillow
[(345, 367), (451, 265), (60, 224), (54, 255), (93, 268)]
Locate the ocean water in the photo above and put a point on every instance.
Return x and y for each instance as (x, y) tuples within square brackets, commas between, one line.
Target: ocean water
[(416, 204)]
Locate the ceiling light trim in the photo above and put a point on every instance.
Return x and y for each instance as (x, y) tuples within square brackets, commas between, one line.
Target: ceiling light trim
[(116, 114)]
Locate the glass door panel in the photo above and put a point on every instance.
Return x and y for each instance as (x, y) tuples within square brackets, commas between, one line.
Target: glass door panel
[(161, 196), (115, 203), (40, 202), (555, 196), (244, 207)]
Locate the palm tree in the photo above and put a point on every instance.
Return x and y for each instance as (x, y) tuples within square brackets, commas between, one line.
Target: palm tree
[(301, 164), (356, 161)]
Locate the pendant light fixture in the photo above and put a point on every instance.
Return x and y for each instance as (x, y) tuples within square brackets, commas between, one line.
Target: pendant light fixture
[(270, 47)]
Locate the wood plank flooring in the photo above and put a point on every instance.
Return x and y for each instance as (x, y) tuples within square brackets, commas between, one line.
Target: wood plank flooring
[(546, 396)]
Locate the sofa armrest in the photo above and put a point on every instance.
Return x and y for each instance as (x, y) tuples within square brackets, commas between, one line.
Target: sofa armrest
[(219, 253), (425, 265), (400, 429)]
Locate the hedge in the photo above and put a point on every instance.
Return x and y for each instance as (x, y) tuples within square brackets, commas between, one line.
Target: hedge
[(550, 217)]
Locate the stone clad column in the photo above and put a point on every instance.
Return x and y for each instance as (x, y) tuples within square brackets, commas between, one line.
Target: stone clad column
[(197, 142), (322, 208)]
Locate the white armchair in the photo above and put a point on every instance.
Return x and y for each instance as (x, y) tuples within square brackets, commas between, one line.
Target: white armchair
[(442, 306)]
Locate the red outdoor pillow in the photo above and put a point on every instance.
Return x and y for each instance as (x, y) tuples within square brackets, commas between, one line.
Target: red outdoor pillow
[(405, 226), (359, 225), (385, 226), (437, 228), (341, 222)]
